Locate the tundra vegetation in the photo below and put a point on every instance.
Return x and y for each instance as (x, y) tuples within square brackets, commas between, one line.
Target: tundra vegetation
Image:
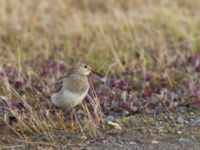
[(148, 51)]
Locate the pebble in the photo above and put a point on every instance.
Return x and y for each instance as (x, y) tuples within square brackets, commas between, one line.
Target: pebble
[(110, 118), (182, 109), (180, 120), (115, 125), (44, 138), (83, 137), (179, 132), (135, 108), (133, 143)]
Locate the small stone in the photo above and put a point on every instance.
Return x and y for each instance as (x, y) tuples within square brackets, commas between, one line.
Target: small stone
[(180, 120), (103, 80), (135, 108), (191, 113), (110, 118), (186, 122), (44, 138), (125, 113), (182, 140), (179, 132), (182, 109), (115, 125), (166, 117), (154, 141), (83, 137), (132, 143)]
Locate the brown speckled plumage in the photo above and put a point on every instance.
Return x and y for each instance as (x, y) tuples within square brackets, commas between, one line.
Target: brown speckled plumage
[(73, 82), (72, 87)]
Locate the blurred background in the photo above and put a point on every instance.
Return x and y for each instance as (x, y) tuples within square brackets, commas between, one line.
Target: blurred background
[(99, 32)]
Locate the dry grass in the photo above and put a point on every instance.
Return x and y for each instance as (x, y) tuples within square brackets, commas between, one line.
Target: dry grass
[(148, 35)]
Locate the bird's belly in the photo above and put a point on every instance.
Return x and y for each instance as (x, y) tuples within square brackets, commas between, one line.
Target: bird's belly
[(68, 99)]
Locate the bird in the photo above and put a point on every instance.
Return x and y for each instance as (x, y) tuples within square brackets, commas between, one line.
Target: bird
[(71, 88)]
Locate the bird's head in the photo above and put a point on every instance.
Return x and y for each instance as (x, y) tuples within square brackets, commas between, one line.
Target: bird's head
[(84, 69)]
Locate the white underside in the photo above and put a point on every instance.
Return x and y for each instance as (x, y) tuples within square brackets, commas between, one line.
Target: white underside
[(68, 99)]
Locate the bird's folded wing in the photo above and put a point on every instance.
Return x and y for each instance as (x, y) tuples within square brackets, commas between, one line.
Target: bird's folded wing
[(59, 83), (58, 86), (62, 80)]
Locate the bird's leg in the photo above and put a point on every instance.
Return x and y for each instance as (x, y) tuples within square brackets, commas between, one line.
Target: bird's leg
[(67, 113)]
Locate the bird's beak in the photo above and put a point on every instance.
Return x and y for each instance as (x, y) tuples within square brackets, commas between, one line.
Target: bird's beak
[(91, 69), (100, 75)]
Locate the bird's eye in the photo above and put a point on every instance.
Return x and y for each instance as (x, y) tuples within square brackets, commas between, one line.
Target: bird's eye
[(85, 66)]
